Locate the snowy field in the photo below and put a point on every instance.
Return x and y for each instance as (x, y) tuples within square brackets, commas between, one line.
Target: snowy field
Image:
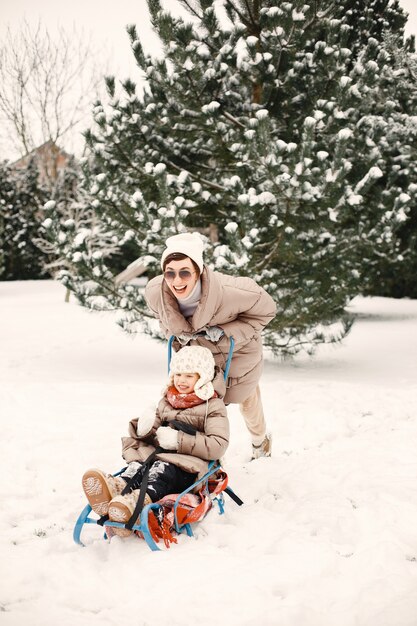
[(328, 533)]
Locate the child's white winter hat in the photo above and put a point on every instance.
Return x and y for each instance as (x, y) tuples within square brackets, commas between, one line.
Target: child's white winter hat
[(189, 244), (195, 360)]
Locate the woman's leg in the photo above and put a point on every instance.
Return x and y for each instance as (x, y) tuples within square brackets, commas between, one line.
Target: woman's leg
[(253, 413)]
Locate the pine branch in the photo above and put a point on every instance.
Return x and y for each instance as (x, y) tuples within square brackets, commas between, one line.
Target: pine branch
[(248, 9), (242, 17), (191, 9), (235, 121), (265, 260), (198, 178)]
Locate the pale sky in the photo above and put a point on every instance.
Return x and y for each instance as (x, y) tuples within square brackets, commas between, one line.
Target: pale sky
[(106, 21), (411, 7)]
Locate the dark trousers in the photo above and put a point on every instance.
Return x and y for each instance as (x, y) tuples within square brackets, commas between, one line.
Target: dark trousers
[(166, 478)]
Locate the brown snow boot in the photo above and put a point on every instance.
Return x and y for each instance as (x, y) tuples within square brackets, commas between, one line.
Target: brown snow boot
[(100, 488), (121, 510)]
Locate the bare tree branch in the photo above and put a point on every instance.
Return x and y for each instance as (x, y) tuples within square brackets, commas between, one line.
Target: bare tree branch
[(47, 84)]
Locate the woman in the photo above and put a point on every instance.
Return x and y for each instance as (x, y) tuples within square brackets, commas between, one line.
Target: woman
[(200, 306)]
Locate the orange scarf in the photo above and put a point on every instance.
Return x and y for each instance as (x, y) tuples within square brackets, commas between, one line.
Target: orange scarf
[(183, 400)]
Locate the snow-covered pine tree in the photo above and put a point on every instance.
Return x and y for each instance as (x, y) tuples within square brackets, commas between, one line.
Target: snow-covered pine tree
[(389, 265), (63, 192), (21, 198), (75, 234), (259, 121)]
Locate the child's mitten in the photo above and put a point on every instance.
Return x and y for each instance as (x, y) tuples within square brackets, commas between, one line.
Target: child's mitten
[(146, 421), (167, 438)]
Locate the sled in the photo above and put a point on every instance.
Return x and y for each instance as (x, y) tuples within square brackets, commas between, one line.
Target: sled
[(175, 513), (172, 514)]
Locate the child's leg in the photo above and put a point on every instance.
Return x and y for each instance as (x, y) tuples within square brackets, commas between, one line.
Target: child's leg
[(166, 478), (121, 510)]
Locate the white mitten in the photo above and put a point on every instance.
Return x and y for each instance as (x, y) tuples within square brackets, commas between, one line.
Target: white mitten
[(146, 421), (167, 438)]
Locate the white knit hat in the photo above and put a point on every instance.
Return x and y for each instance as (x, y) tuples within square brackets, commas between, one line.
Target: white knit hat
[(195, 360), (189, 244)]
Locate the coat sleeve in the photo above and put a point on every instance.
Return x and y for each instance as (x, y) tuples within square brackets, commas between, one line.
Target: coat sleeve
[(212, 443), (132, 443), (253, 320)]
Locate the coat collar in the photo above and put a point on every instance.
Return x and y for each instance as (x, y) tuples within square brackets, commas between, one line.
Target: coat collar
[(209, 303)]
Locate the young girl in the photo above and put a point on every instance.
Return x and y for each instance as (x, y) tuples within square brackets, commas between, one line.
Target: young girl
[(193, 402)]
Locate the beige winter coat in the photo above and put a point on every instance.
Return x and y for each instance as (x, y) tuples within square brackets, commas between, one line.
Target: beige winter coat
[(239, 306), (194, 451)]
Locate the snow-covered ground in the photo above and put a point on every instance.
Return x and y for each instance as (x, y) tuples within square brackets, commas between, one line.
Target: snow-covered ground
[(328, 532)]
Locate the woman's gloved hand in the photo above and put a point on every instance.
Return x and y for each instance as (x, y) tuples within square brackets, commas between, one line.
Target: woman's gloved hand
[(185, 338), (214, 333)]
